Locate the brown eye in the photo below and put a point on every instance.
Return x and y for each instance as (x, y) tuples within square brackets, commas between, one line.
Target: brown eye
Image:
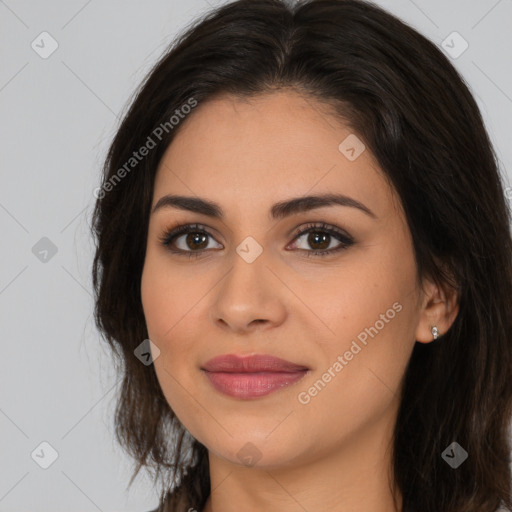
[(189, 239), (196, 240), (317, 240), (193, 240), (320, 238)]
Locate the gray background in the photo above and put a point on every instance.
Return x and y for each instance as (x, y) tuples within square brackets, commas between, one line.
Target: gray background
[(58, 115)]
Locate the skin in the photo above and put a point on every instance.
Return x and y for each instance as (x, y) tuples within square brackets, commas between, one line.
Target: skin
[(333, 453)]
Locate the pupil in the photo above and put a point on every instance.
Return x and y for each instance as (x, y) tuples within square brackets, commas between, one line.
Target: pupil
[(195, 237), (313, 239)]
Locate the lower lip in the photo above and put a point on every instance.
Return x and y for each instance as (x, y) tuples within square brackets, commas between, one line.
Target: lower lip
[(252, 385)]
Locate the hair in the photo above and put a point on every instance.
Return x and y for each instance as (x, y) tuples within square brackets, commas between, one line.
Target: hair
[(404, 99)]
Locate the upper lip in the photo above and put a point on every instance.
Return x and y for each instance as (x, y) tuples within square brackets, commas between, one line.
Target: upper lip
[(232, 363)]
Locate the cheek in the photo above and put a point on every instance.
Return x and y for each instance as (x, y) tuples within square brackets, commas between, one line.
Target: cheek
[(363, 364), (367, 294), (165, 302), (166, 317), (155, 299), (371, 310), (170, 308)]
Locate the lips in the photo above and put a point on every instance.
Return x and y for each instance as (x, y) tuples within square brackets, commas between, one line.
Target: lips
[(249, 364), (249, 377)]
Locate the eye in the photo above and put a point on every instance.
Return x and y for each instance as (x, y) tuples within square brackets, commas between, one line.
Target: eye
[(320, 238), (196, 238)]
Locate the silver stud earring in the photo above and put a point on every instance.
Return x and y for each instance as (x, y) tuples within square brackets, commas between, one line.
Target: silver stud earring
[(435, 332)]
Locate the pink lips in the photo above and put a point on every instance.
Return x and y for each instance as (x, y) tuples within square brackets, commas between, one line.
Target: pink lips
[(251, 376)]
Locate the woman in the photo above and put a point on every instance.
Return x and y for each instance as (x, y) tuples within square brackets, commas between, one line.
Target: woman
[(304, 266)]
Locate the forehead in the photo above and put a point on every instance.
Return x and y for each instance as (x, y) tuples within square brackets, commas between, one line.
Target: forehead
[(257, 151)]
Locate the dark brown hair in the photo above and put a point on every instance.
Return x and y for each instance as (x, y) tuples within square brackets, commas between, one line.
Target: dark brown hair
[(404, 99)]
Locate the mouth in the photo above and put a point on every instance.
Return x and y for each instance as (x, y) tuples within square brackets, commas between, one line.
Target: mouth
[(248, 377)]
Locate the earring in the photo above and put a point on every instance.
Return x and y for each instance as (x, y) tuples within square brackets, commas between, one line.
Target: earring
[(435, 332)]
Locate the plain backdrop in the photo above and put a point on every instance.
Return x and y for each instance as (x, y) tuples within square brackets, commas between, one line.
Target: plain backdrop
[(58, 113)]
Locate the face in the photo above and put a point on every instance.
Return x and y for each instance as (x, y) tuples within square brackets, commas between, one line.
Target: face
[(331, 288)]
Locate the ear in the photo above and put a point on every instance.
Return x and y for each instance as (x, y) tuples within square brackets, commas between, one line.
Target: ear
[(439, 307)]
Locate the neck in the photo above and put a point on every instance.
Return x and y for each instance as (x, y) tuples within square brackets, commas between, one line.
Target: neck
[(354, 477)]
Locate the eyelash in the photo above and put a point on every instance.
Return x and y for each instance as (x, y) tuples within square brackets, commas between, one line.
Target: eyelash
[(346, 241)]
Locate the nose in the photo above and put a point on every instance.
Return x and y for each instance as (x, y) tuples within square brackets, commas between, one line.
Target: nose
[(249, 297)]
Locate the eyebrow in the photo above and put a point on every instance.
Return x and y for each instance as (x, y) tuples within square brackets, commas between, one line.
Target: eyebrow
[(278, 211)]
